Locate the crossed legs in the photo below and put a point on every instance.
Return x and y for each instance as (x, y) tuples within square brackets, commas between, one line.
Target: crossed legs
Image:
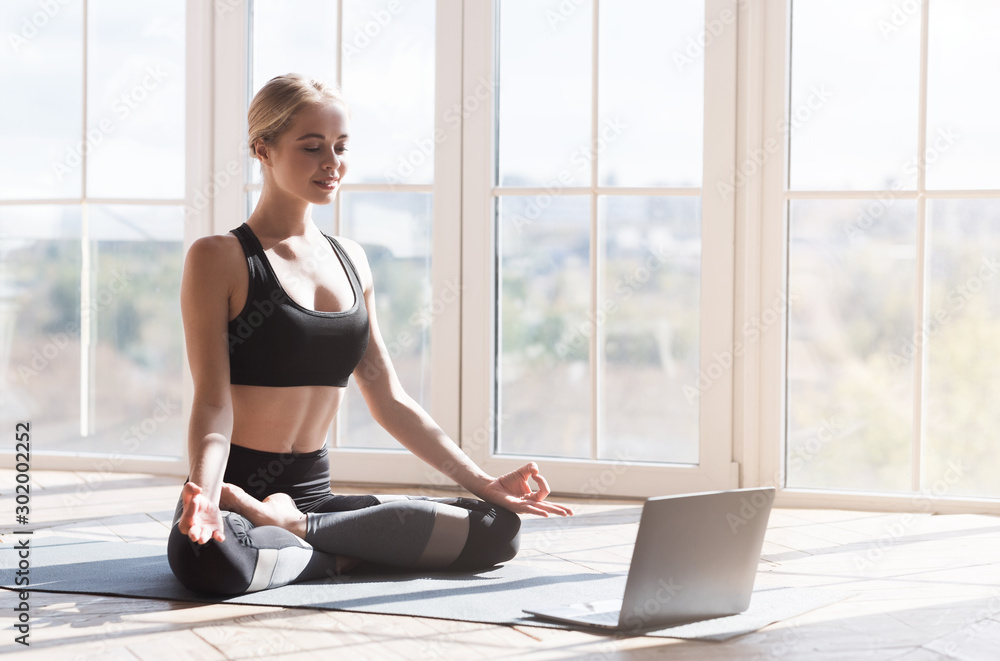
[(271, 542)]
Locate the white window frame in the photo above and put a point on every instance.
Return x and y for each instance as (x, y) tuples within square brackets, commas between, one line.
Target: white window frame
[(764, 51), (716, 469)]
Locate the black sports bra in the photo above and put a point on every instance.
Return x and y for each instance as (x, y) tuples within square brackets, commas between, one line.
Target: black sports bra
[(274, 341)]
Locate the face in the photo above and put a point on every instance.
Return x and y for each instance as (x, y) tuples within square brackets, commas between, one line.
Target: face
[(308, 160)]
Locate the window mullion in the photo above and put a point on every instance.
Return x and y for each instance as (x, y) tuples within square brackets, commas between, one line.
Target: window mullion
[(596, 250), (85, 261), (920, 259)]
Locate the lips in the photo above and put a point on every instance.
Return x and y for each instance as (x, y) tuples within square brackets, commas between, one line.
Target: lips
[(326, 183)]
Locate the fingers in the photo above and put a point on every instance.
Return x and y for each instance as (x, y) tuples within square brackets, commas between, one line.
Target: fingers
[(188, 493), (522, 499), (542, 508), (539, 508), (533, 502), (203, 533), (555, 508), (525, 507), (200, 521), (521, 476), (543, 486), (564, 510), (197, 534), (530, 471)]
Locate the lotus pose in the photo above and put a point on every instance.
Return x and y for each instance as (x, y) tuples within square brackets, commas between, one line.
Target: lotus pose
[(277, 317)]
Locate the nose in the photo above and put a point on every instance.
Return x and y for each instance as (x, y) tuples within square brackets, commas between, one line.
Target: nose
[(333, 161)]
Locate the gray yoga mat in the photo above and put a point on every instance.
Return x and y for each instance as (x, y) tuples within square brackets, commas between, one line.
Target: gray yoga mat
[(495, 596)]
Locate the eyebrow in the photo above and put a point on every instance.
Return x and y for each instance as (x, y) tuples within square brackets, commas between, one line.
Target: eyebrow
[(317, 135)]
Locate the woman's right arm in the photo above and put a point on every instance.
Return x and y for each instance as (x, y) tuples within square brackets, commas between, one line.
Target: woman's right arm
[(205, 290)]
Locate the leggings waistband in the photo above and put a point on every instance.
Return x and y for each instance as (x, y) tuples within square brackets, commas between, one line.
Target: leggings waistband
[(240, 449), (261, 473)]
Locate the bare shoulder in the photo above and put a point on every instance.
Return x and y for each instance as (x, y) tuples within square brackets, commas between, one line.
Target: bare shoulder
[(216, 248), (216, 254), (214, 263), (360, 259)]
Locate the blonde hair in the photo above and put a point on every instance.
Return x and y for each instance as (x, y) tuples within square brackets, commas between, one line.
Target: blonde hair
[(275, 105)]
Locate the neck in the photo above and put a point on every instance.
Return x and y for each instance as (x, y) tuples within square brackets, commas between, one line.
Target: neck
[(280, 215)]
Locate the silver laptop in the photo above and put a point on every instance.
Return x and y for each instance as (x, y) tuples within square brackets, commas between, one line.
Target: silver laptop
[(695, 558)]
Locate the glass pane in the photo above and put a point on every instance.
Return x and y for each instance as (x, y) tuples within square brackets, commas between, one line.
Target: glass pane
[(650, 305), (388, 77), (545, 88), (960, 330), (136, 357), (135, 104), (291, 36), (651, 92), (851, 309), (963, 95), (544, 373), (395, 231), (294, 36), (853, 106), (40, 322), (40, 118)]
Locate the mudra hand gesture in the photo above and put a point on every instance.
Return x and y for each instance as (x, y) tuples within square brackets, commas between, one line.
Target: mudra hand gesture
[(201, 519), (513, 491)]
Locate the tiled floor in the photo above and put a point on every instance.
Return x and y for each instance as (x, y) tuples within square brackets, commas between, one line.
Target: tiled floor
[(926, 587)]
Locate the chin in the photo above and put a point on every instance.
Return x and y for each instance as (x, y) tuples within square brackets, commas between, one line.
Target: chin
[(319, 199), (324, 200)]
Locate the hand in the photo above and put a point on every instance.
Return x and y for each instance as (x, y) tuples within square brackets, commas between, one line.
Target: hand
[(201, 519), (512, 491)]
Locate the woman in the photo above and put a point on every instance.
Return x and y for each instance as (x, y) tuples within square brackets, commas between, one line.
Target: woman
[(277, 316)]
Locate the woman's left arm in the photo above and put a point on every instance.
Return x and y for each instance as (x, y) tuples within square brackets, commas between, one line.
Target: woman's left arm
[(413, 427)]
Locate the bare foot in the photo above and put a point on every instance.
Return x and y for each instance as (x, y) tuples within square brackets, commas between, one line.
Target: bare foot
[(278, 509), (231, 498)]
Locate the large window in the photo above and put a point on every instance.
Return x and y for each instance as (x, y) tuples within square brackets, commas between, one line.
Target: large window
[(599, 338), (893, 202), (92, 225), (660, 246), (598, 189)]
